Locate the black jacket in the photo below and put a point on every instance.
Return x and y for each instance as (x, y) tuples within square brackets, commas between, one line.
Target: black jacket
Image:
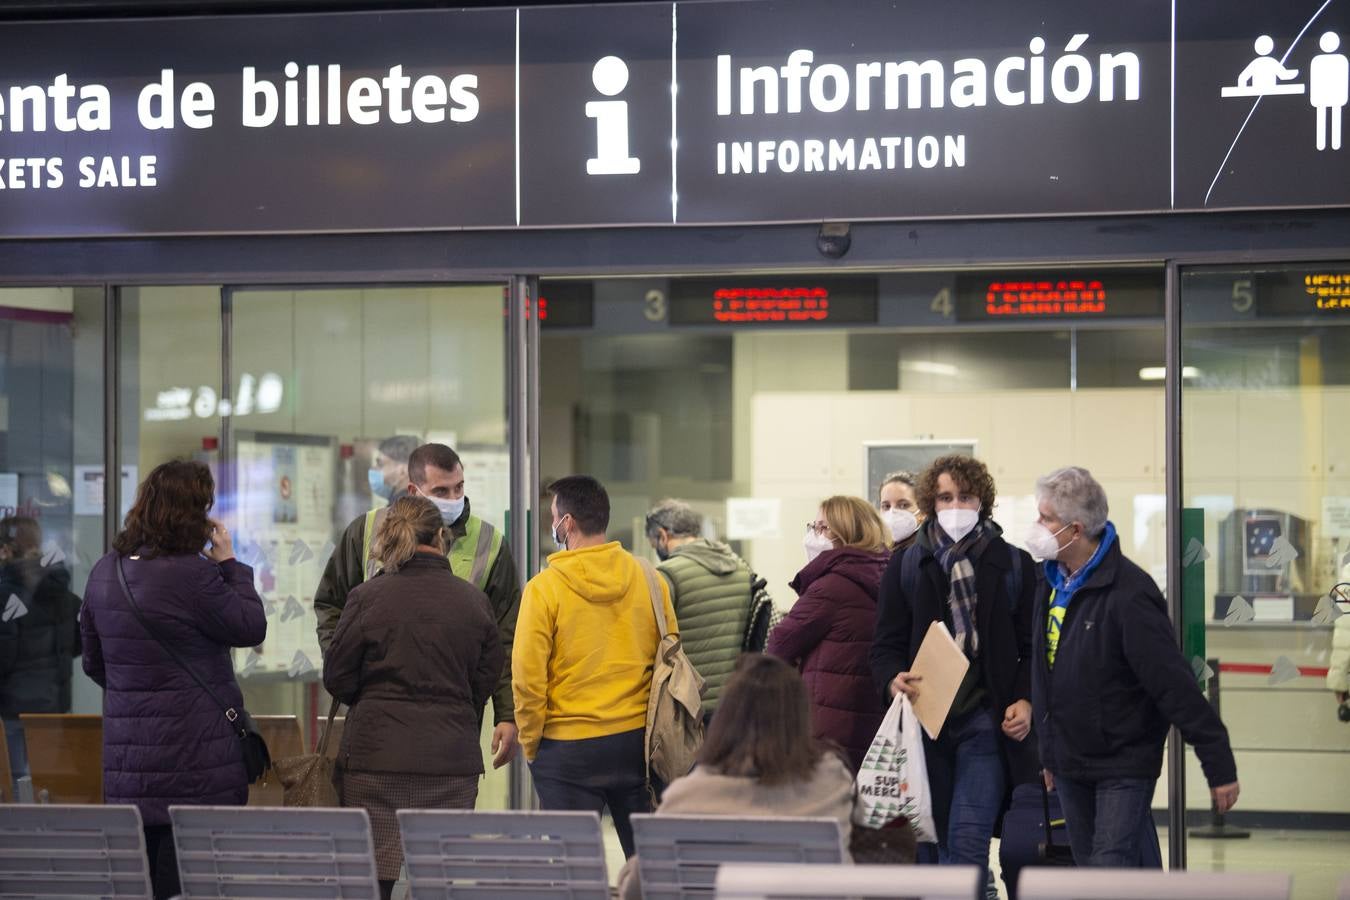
[(1004, 626), (39, 636), (1119, 680)]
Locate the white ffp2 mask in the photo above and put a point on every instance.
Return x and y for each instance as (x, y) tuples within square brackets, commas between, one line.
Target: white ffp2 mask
[(815, 544), (901, 522), (958, 522)]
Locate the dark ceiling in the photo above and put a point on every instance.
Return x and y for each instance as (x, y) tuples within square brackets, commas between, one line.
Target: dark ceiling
[(74, 9)]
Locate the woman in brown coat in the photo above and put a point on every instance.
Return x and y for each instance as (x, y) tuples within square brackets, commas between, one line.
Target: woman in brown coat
[(416, 655)]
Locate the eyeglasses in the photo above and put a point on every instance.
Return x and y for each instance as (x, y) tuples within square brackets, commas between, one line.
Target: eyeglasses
[(817, 528)]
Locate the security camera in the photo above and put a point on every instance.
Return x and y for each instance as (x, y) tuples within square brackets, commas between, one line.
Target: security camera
[(833, 240)]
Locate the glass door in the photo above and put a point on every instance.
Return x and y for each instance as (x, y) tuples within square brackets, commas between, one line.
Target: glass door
[(1266, 465), (329, 389)]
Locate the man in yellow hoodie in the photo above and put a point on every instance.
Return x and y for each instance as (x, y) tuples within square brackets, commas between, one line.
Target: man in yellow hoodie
[(581, 665)]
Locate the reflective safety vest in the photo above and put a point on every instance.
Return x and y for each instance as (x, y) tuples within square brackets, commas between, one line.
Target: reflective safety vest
[(471, 556)]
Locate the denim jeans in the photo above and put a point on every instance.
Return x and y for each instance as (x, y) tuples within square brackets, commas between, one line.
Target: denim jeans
[(592, 774), (977, 788), (18, 754), (1110, 823)]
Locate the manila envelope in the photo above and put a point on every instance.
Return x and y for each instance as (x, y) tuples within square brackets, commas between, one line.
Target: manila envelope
[(943, 667)]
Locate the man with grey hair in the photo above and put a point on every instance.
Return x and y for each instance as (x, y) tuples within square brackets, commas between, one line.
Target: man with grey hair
[(710, 588), (1108, 679)]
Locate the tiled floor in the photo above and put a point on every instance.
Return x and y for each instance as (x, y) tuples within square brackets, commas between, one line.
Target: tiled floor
[(1318, 860)]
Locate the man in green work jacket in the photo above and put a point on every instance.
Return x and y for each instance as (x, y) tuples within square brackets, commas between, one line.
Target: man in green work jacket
[(478, 554)]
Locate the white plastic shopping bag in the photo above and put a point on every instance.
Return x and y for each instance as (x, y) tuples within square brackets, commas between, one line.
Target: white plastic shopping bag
[(893, 780)]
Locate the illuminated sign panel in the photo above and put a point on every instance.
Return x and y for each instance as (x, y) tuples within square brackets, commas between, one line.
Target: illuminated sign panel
[(1110, 294), (1302, 291), (803, 301), (1328, 290), (1075, 297), (561, 304), (689, 113), (566, 304)]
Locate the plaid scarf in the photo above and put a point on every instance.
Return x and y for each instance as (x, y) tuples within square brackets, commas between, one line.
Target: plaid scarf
[(955, 558)]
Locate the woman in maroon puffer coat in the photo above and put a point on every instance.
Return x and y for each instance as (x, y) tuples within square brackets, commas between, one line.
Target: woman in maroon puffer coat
[(165, 742), (828, 633)]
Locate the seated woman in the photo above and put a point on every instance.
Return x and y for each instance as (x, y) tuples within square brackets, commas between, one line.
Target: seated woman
[(759, 758)]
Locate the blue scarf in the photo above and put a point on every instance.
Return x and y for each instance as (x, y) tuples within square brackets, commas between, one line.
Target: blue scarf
[(1063, 587)]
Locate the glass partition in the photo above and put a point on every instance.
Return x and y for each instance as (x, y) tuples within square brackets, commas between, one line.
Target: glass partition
[(51, 514), (754, 419), (1266, 458), (320, 380)]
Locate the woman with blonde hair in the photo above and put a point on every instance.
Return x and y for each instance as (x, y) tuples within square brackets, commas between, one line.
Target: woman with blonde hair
[(416, 655), (828, 633)]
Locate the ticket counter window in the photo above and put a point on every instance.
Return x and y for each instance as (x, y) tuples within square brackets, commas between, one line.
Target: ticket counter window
[(754, 417)]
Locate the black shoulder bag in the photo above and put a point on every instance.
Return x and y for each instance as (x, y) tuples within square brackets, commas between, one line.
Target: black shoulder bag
[(256, 757)]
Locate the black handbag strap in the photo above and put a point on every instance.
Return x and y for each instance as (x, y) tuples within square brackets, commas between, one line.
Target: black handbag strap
[(230, 712)]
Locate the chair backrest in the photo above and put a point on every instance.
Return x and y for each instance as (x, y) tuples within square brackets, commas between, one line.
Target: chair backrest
[(65, 756), (284, 738), (462, 854), (760, 882), (1136, 884), (6, 775), (678, 856), (274, 854), (72, 851)]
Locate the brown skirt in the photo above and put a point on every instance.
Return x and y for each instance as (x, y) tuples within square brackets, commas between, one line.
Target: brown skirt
[(382, 795)]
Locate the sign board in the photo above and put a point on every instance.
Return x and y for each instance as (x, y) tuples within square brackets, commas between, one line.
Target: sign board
[(882, 458), (1336, 517), (804, 300), (90, 499), (1070, 294), (655, 114), (750, 518)]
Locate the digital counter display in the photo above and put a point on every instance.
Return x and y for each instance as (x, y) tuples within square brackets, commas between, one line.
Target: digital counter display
[(1328, 290), (563, 304), (805, 301), (1062, 295), (1292, 291)]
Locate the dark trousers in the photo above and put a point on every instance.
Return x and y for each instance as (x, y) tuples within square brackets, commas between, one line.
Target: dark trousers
[(1110, 823), (163, 859), (593, 774)]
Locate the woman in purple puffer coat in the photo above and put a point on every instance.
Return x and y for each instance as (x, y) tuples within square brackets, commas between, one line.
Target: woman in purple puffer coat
[(165, 742), (828, 633)]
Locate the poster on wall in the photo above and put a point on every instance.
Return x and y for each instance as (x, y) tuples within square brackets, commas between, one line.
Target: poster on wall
[(285, 496), (89, 497), (884, 458), (487, 481)]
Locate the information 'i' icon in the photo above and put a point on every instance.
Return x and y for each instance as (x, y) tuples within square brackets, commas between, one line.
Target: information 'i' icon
[(610, 77)]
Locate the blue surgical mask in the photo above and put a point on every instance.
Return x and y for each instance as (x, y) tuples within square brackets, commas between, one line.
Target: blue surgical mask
[(377, 485), (451, 510)]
